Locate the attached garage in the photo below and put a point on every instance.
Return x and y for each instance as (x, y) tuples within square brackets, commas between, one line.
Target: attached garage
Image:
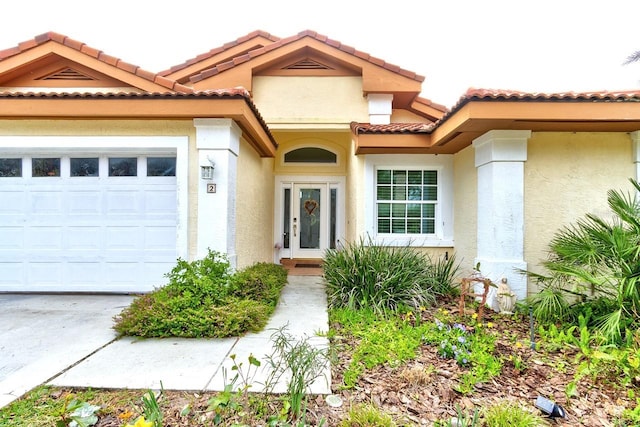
[(97, 214)]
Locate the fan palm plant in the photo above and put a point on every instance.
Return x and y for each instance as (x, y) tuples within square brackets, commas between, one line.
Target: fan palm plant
[(602, 257)]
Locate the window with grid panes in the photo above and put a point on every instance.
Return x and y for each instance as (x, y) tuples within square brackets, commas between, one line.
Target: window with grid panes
[(406, 201)]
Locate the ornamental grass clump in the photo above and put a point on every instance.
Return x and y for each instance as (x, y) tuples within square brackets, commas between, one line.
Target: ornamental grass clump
[(384, 278), (204, 299)]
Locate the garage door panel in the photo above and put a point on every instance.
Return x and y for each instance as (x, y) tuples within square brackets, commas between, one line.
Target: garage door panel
[(84, 274), (44, 238), (123, 202), (11, 238), (82, 202), (44, 273), (12, 273), (122, 273), (159, 201), (46, 202), (84, 238), (158, 237), (123, 238), (12, 201)]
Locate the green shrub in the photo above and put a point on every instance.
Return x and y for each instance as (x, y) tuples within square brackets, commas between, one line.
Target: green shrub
[(510, 415), (259, 282), (204, 299), (366, 415), (383, 278)]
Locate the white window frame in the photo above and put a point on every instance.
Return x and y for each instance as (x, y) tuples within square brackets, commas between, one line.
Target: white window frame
[(443, 164)]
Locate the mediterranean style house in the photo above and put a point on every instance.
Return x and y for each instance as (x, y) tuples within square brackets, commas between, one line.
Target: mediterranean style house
[(271, 149)]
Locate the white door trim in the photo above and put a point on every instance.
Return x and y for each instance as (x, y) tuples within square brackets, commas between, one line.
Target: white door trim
[(288, 181)]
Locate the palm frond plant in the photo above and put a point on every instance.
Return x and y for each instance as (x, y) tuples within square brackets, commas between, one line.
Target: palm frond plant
[(602, 257)]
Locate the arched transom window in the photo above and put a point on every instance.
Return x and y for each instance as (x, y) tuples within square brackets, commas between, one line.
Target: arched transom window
[(310, 155)]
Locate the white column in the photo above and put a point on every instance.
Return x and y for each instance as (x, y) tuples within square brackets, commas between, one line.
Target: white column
[(500, 157), (218, 140), (635, 141)]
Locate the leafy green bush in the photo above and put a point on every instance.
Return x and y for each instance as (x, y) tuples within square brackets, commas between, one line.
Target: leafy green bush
[(383, 278), (204, 299)]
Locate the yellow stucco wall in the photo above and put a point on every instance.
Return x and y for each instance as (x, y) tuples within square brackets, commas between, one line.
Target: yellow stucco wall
[(310, 100), (465, 215), (254, 207), (566, 176)]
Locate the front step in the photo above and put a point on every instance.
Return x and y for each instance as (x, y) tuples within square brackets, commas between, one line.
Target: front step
[(301, 262)]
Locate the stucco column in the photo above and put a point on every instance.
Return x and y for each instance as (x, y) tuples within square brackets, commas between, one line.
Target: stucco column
[(500, 157), (635, 141), (217, 140)]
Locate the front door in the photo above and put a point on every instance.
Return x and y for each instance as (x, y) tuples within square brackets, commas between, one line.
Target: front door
[(309, 220)]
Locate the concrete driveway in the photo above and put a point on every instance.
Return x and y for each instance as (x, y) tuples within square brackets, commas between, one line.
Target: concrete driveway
[(68, 341), (43, 335)]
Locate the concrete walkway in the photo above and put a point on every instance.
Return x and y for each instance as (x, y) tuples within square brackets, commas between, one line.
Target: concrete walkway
[(68, 341)]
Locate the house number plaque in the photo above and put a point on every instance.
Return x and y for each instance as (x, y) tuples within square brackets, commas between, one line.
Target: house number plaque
[(211, 188)]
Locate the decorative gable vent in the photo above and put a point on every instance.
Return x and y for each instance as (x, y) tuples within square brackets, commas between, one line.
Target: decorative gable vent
[(66, 74), (308, 64)]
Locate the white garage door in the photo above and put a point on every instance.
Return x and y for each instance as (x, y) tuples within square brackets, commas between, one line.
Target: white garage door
[(94, 223)]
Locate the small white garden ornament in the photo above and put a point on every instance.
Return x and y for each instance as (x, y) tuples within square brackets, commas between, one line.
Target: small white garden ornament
[(506, 298)]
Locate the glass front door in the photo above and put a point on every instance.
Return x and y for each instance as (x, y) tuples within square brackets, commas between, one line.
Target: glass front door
[(309, 220)]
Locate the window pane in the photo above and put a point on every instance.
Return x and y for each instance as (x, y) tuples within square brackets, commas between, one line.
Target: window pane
[(413, 210), (334, 218), (384, 210), (10, 168), (428, 211), (45, 167), (398, 226), (399, 177), (415, 177), (431, 177), (310, 155), (399, 193), (384, 177), (161, 166), (413, 226), (84, 166), (384, 225), (399, 210), (415, 193), (428, 226), (123, 166), (384, 193), (430, 193), (286, 225)]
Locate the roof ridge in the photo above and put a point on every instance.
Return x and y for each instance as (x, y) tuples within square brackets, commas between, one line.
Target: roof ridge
[(312, 34), (94, 53), (219, 49)]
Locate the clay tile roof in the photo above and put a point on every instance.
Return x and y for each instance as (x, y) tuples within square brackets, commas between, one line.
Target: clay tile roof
[(431, 104), (492, 95), (360, 128), (230, 93), (308, 33), (218, 50), (94, 53)]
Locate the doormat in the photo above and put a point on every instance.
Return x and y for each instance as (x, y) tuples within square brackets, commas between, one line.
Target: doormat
[(308, 266)]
